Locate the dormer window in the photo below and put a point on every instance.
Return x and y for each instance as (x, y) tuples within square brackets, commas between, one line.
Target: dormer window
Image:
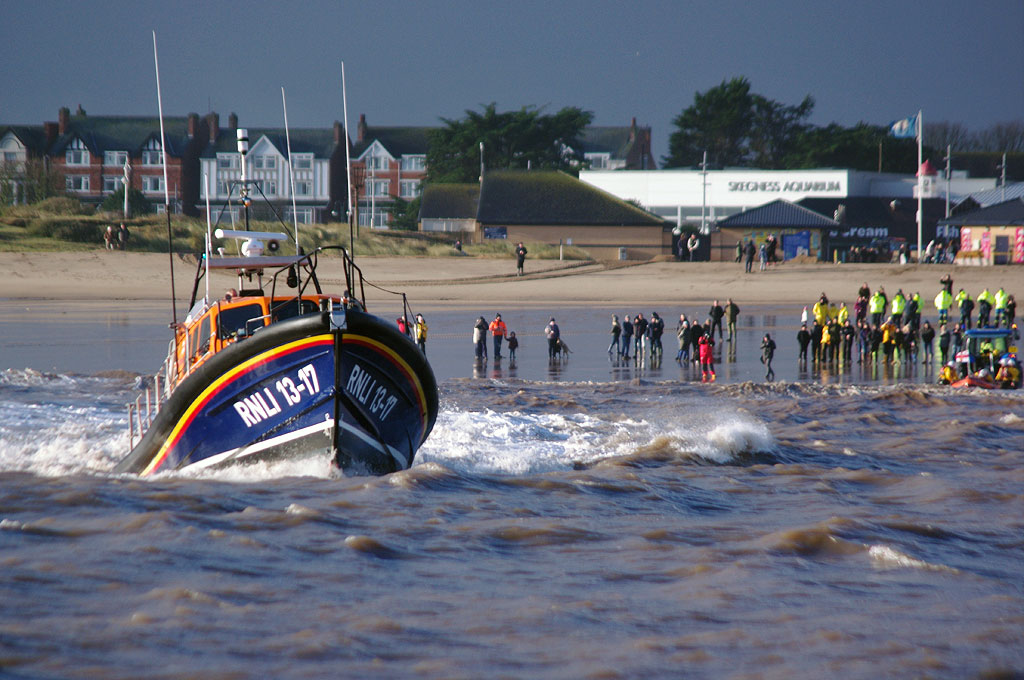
[(152, 154), (76, 153)]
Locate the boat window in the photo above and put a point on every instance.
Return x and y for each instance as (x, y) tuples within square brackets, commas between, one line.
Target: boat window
[(199, 339), (239, 320), (203, 344), (289, 309)]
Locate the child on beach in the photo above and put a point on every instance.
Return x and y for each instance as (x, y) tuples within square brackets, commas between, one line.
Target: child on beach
[(513, 345), (707, 359)]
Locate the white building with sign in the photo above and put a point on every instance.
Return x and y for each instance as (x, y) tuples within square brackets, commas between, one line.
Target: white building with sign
[(683, 196)]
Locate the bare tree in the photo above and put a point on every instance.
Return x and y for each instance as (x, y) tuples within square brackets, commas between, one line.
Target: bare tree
[(1005, 137), (943, 134)]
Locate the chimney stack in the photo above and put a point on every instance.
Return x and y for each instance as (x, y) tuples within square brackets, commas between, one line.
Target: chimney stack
[(63, 120), (232, 122), (361, 130), (213, 120), (193, 125)]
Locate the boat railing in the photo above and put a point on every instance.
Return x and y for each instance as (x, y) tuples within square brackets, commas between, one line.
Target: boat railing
[(146, 406)]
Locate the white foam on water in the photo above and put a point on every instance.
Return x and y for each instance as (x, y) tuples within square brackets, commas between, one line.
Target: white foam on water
[(886, 557), (517, 443), (721, 437), (73, 440)]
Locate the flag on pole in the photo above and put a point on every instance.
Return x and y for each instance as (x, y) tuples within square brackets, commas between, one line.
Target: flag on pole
[(904, 128)]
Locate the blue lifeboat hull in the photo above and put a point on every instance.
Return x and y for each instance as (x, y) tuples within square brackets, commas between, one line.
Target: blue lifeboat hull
[(359, 392)]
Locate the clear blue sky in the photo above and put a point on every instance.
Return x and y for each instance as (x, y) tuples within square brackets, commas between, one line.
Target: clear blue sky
[(412, 63)]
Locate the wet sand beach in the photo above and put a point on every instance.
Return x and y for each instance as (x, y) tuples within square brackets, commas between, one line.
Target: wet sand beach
[(484, 283)]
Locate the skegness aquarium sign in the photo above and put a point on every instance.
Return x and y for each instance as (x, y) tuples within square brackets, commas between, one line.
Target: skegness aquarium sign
[(794, 186)]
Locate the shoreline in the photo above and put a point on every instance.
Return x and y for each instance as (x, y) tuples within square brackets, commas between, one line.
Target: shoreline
[(472, 283)]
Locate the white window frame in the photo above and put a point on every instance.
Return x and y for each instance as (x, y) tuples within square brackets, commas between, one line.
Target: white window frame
[(227, 161), (76, 183), (414, 163), (115, 158), (374, 162), (378, 188), (409, 188), (303, 188), (152, 184), (302, 215), (77, 154), (152, 158), (111, 183), (302, 162), (264, 162)]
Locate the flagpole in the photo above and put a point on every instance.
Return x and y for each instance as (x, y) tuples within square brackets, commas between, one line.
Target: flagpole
[(920, 191)]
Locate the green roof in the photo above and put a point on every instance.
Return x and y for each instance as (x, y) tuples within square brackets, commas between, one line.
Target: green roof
[(450, 201), (549, 197)]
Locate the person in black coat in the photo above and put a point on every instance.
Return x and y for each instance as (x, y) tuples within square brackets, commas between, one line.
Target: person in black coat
[(767, 354), (927, 338), (803, 337)]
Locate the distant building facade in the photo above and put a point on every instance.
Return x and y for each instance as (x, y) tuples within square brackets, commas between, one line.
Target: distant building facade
[(91, 154), (388, 163), (305, 175)]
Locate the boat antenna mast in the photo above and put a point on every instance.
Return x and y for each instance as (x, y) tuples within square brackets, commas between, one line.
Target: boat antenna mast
[(242, 136), (291, 171), (348, 180), (167, 197)]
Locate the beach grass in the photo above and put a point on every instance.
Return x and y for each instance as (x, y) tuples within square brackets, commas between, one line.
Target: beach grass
[(65, 225)]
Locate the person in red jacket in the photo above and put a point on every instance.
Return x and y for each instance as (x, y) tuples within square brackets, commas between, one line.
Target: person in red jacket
[(499, 331), (707, 359)]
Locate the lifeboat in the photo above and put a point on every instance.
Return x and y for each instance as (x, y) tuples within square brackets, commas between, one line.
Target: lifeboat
[(260, 377)]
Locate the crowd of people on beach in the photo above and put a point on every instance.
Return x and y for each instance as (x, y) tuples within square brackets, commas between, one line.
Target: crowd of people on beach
[(892, 330), (695, 340), (878, 329)]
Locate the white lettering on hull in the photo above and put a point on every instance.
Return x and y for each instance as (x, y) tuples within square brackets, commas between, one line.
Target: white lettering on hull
[(365, 389), (262, 404)]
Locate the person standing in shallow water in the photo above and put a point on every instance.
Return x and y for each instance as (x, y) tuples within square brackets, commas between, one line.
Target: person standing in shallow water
[(498, 332), (715, 314), (767, 354), (732, 314), (616, 333), (480, 338), (552, 333), (707, 358), (627, 335), (421, 333)]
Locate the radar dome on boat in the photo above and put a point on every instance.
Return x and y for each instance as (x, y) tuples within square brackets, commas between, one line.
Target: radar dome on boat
[(252, 248)]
